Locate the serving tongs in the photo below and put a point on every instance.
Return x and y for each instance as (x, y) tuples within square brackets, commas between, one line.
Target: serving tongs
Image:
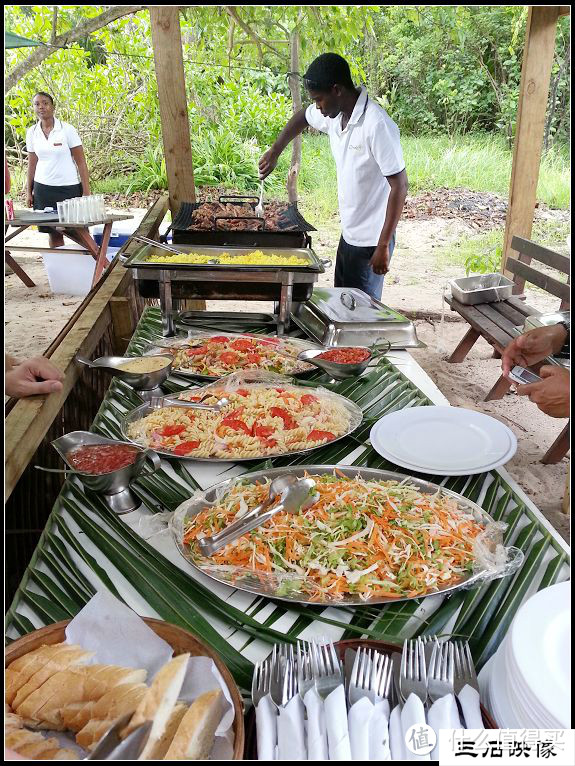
[(157, 402), (294, 495), (112, 748), (159, 245)]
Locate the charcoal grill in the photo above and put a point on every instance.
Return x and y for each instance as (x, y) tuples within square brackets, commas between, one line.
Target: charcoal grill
[(293, 229)]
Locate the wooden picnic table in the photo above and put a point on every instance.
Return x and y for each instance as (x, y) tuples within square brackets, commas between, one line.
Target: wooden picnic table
[(77, 232)]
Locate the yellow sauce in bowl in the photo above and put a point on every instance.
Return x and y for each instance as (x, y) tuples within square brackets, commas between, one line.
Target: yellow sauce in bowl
[(143, 364)]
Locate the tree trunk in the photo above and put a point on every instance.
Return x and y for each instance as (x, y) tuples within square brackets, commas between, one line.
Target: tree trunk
[(82, 30), (554, 86), (295, 90)]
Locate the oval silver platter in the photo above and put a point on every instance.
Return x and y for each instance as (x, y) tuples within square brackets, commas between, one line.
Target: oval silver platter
[(251, 583), (155, 348), (355, 417)]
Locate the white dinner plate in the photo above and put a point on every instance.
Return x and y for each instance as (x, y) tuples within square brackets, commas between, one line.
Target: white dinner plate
[(540, 639), (449, 441)]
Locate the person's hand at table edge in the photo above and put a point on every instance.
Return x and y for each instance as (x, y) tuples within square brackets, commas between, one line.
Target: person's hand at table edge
[(533, 347), (552, 393), (380, 260), (32, 377)]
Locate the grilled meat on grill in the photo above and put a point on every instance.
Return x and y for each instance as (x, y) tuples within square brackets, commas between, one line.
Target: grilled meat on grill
[(206, 215)]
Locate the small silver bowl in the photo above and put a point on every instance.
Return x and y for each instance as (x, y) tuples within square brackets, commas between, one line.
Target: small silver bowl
[(115, 485), (140, 381), (344, 371)]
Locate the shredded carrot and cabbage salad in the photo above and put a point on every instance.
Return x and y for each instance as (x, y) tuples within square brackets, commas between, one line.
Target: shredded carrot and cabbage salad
[(368, 539)]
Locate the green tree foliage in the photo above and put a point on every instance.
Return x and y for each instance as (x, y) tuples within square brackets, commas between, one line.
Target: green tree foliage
[(437, 69)]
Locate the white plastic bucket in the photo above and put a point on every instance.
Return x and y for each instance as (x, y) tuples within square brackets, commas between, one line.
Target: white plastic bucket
[(71, 273)]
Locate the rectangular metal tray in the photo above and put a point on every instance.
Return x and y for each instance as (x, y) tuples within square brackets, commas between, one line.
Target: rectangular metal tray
[(328, 321), (545, 320), (481, 288), (138, 259)]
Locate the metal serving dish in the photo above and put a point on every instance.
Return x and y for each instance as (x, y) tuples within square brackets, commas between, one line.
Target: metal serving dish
[(139, 259), (482, 288), (546, 320), (157, 348), (115, 485), (355, 418), (339, 316), (252, 583), (140, 381)]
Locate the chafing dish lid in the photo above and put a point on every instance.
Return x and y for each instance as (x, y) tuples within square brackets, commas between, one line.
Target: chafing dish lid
[(345, 304)]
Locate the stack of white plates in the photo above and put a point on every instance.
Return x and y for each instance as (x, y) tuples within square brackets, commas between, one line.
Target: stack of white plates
[(527, 683), (449, 441)]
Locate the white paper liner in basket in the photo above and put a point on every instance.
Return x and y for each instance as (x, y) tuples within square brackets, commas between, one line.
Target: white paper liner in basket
[(492, 560)]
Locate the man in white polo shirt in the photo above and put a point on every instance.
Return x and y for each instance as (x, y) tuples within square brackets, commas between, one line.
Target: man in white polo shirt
[(371, 177)]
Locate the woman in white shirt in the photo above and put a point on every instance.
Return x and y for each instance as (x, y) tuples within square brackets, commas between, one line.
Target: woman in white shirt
[(57, 167)]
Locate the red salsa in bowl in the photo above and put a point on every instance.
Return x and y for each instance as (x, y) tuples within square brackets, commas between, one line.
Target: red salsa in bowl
[(345, 355), (96, 459)]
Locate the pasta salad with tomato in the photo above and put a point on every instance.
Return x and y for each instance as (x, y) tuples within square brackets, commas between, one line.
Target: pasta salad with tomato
[(258, 421), (221, 354)]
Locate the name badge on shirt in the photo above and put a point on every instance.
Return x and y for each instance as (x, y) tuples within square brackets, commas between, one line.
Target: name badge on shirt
[(60, 144), (356, 148)]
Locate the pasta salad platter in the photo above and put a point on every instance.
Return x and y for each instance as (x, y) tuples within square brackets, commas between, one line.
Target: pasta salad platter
[(372, 537), (248, 416), (209, 356)]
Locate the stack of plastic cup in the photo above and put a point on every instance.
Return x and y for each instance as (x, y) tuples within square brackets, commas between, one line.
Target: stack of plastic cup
[(88, 209)]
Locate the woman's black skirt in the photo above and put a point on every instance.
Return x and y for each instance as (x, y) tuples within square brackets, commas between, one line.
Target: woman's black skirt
[(48, 196)]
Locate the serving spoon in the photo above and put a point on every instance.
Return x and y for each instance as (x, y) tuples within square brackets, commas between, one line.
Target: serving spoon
[(295, 495)]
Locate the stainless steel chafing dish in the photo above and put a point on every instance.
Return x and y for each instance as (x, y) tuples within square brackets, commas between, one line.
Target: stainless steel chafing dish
[(212, 281), (349, 317)]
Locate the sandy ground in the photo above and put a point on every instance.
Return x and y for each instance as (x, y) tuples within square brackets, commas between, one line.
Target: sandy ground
[(34, 316)]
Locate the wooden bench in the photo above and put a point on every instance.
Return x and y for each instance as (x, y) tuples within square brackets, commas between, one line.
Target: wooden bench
[(496, 321)]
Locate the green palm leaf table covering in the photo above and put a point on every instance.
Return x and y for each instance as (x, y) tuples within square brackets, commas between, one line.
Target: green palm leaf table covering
[(85, 547)]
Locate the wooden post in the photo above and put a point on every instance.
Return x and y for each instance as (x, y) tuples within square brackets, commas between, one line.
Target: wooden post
[(295, 89), (535, 79), (169, 62)]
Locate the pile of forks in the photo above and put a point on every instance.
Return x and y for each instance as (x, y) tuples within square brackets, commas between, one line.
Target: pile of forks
[(311, 706)]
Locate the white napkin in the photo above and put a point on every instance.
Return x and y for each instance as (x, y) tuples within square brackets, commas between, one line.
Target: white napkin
[(359, 721), (316, 733), (396, 743), (291, 732), (336, 724), (469, 699), (443, 714), (379, 733), (412, 713), (266, 729)]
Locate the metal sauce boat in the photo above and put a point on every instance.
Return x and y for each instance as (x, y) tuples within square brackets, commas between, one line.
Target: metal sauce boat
[(340, 371), (114, 485), (141, 381)]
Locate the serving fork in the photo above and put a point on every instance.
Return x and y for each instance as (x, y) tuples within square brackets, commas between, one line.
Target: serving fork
[(441, 671), (413, 677), (370, 677), (261, 681), (465, 674), (327, 668)]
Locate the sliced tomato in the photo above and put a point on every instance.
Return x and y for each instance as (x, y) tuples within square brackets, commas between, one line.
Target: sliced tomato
[(196, 351), (236, 425), (219, 339), (172, 430), (242, 392), (253, 358), (185, 447), (235, 414), (262, 431), (279, 390), (269, 442), (316, 436), (279, 412), (229, 357), (242, 344), (308, 399)]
